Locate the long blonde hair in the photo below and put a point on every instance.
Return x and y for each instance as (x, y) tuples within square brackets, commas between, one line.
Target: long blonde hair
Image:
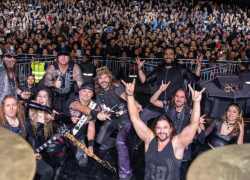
[(236, 128), (48, 119)]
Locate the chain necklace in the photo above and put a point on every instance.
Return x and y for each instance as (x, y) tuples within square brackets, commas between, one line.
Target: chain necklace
[(229, 124)]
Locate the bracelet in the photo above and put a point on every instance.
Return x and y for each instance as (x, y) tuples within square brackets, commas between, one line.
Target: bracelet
[(91, 143), (130, 94), (139, 69)]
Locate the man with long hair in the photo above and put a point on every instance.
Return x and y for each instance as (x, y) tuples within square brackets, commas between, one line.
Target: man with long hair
[(61, 76), (163, 149), (168, 70), (8, 84), (12, 118), (110, 93)]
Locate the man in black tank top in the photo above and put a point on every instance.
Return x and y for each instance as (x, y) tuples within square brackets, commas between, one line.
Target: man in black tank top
[(61, 76), (164, 149)]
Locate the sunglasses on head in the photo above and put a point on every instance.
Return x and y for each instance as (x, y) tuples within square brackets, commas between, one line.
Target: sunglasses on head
[(9, 56)]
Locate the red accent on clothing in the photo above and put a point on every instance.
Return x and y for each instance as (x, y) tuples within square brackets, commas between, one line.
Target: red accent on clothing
[(59, 154)]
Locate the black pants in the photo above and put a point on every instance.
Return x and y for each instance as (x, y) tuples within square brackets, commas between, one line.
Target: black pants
[(44, 170)]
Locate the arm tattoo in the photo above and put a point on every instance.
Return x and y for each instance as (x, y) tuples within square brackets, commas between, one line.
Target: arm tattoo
[(78, 75), (76, 103), (49, 76)]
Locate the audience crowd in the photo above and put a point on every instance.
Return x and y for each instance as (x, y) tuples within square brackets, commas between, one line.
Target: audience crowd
[(127, 28)]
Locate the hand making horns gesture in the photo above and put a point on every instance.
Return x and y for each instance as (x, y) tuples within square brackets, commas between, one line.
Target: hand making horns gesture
[(130, 87), (196, 95)]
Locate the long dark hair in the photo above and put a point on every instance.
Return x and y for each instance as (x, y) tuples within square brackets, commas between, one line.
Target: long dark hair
[(236, 128), (164, 118), (19, 114), (187, 104), (111, 85)]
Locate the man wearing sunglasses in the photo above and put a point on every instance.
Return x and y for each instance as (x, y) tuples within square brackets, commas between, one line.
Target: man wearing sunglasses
[(61, 76), (8, 84)]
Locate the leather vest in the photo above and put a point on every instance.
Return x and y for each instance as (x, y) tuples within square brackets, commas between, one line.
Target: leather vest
[(114, 102), (66, 79)]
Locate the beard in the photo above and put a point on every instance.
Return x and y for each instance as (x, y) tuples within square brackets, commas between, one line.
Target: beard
[(162, 139), (104, 85), (165, 63)]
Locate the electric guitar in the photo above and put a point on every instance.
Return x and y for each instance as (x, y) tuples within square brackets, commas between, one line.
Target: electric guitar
[(65, 132), (51, 140)]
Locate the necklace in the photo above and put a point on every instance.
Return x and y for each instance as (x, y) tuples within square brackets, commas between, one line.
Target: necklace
[(13, 122), (40, 115), (229, 125)]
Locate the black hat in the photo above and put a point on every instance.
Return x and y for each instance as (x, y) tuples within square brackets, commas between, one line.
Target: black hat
[(8, 51), (87, 85), (63, 49)]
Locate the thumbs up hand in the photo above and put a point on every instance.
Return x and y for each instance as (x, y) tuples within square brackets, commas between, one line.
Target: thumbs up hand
[(58, 83)]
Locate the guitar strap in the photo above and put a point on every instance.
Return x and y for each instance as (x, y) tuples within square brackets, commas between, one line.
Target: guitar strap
[(84, 118)]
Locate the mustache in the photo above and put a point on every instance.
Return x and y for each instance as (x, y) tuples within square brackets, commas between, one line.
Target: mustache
[(104, 82)]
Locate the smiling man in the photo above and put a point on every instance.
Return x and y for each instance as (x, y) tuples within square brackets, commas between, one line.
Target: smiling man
[(168, 70), (7, 75), (61, 76)]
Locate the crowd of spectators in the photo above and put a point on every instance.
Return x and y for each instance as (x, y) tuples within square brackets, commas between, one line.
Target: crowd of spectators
[(127, 28)]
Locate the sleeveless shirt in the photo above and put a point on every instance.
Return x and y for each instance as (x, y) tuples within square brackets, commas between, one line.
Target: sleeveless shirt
[(161, 165)]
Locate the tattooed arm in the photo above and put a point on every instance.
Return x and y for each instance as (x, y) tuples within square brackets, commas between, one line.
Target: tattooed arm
[(77, 75), (50, 72)]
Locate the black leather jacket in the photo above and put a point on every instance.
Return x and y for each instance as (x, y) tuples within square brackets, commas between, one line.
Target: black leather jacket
[(26, 133), (176, 75)]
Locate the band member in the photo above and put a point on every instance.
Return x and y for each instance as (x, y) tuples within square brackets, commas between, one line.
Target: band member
[(227, 130), (61, 76), (74, 108), (12, 118), (8, 84), (110, 93), (168, 70), (179, 109), (164, 149)]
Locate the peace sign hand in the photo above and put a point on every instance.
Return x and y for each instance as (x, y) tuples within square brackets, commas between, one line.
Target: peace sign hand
[(196, 95), (130, 87), (163, 87)]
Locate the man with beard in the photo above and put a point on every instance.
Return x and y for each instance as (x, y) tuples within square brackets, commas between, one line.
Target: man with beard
[(164, 149), (178, 108), (74, 108), (61, 76), (111, 94), (168, 70), (7, 74)]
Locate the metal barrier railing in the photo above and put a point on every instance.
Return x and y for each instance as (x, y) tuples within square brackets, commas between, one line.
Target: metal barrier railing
[(130, 66)]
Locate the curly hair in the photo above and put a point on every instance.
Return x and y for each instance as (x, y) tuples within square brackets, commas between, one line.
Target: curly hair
[(48, 119), (19, 114), (187, 104), (164, 118), (224, 117), (112, 84)]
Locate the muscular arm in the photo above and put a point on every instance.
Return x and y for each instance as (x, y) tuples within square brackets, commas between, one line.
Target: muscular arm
[(141, 129), (50, 72), (77, 75), (79, 107), (187, 134)]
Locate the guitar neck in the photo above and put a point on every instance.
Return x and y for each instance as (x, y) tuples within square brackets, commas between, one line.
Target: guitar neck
[(47, 143), (79, 144)]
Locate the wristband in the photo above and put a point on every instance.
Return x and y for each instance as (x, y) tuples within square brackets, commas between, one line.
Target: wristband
[(91, 143), (129, 94), (94, 113), (139, 69)]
